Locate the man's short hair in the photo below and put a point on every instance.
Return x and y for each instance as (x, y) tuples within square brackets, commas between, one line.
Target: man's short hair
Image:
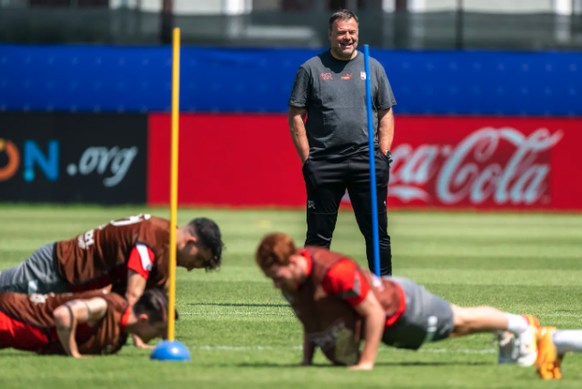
[(209, 236), (154, 303), (342, 14), (275, 249)]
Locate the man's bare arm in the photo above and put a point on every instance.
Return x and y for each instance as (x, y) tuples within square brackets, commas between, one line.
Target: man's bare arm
[(375, 318), (385, 129), (296, 120), (135, 286), (73, 313)]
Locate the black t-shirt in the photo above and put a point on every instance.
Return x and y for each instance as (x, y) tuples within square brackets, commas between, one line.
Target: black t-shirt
[(334, 94)]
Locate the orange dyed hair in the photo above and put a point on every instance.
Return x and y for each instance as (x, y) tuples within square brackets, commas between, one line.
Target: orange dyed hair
[(275, 249)]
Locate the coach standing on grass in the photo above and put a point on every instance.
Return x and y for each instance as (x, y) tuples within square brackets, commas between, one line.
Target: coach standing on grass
[(330, 89)]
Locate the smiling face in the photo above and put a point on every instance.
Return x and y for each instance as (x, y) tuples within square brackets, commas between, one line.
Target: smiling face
[(343, 36)]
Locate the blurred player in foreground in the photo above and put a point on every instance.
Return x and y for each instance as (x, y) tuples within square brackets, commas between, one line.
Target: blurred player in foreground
[(339, 304), (79, 324), (127, 255)]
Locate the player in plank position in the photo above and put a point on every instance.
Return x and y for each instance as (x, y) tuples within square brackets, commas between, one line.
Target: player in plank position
[(79, 324), (340, 304), (129, 255)]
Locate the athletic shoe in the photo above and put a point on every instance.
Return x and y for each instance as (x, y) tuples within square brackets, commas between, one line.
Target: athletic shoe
[(557, 365), (528, 349), (508, 346), (548, 362)]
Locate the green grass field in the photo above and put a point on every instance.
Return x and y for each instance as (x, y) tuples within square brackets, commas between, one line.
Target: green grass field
[(242, 334)]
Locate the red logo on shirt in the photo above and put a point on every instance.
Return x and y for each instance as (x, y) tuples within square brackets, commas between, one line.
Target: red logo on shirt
[(347, 77), (326, 76)]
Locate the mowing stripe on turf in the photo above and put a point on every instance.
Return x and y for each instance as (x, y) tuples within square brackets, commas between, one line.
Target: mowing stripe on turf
[(236, 313), (559, 315), (428, 350)]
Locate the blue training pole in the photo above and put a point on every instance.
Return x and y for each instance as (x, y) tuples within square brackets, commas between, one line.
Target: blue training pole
[(373, 193)]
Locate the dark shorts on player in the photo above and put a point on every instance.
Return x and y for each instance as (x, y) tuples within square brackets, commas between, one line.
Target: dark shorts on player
[(426, 318), (38, 274)]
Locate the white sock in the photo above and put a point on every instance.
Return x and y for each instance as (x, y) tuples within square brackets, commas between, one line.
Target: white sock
[(568, 340), (516, 324)]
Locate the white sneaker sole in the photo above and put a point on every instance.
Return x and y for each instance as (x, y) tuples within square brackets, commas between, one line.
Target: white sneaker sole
[(508, 348), (527, 360)]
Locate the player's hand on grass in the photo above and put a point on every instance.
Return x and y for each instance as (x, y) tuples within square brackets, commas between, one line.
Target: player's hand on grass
[(137, 342), (362, 366), (78, 355)]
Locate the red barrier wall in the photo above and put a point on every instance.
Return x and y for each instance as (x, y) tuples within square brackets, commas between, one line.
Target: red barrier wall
[(490, 163), (237, 160)]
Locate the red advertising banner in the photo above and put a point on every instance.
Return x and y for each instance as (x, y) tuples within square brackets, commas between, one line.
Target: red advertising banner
[(226, 160), (439, 162)]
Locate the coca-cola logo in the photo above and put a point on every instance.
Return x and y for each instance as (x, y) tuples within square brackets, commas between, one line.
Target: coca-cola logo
[(491, 165)]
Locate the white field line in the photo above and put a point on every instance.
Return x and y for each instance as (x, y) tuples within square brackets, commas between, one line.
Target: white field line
[(261, 348), (253, 313), (558, 315), (289, 313)]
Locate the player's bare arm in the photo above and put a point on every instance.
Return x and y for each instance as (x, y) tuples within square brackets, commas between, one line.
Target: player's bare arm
[(136, 284), (73, 313), (308, 350), (385, 129), (375, 318), (296, 120)]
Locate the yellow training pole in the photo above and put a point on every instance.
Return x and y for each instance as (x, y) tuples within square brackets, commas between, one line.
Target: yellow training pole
[(174, 180)]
